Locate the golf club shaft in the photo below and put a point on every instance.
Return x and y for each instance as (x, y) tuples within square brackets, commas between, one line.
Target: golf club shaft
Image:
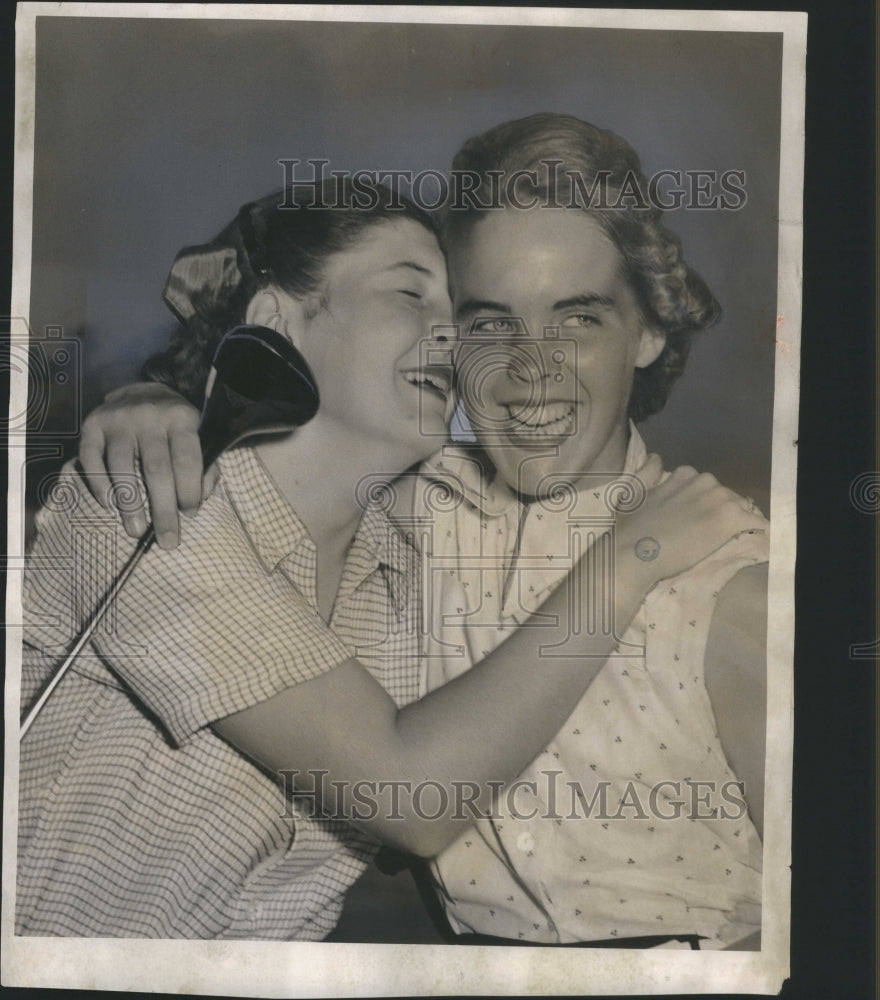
[(263, 384), (211, 450), (145, 543)]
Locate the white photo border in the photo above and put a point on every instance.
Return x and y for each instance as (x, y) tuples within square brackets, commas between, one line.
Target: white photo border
[(316, 969)]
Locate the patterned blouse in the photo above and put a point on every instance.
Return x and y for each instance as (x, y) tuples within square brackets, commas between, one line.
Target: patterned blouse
[(630, 823), (135, 819)]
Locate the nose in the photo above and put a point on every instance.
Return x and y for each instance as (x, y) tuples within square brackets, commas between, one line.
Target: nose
[(531, 362), (519, 370), (506, 370)]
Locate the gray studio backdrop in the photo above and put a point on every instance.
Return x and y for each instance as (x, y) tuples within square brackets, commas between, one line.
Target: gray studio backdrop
[(150, 133)]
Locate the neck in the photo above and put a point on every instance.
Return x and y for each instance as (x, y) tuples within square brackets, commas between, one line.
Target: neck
[(318, 470), (608, 467), (320, 484)]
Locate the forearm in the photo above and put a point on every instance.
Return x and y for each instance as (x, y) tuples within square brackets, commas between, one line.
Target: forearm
[(492, 721), (474, 733)]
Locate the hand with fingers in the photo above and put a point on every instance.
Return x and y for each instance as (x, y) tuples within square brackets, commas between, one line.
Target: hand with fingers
[(685, 517), (147, 430)]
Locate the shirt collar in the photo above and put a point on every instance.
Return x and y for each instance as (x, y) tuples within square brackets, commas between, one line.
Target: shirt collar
[(380, 544), (269, 521), (466, 472), (276, 532), (463, 470)]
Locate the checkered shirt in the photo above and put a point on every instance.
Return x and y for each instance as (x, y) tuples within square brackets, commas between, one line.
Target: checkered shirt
[(136, 820)]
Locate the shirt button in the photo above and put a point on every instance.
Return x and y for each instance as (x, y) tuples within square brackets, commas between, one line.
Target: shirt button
[(525, 842)]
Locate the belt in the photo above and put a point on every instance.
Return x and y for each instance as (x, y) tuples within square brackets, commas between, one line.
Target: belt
[(648, 941)]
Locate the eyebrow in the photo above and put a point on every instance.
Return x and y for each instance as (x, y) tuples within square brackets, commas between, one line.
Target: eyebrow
[(482, 305), (587, 301), (413, 266)]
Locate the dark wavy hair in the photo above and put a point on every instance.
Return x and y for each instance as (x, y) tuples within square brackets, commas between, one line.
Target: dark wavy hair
[(672, 297), (284, 240)]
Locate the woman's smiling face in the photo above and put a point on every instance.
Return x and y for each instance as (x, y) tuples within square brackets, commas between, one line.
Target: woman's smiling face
[(546, 391), (383, 300)]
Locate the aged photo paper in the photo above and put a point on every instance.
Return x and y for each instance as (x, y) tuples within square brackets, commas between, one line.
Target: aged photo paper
[(141, 130)]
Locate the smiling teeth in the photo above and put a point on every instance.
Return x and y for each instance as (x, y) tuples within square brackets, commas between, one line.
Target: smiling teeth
[(552, 419), (432, 379)]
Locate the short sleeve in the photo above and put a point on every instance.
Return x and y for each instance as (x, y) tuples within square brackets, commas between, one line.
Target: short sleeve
[(204, 630)]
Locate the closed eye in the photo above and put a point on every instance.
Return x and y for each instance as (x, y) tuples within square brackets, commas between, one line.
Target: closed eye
[(410, 292)]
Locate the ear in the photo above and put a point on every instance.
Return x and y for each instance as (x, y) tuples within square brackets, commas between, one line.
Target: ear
[(651, 344), (279, 311), (264, 309)]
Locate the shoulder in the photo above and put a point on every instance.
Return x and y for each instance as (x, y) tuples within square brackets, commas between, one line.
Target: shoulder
[(71, 521), (65, 495)]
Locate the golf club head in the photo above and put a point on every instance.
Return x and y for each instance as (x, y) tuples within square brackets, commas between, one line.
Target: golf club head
[(259, 383)]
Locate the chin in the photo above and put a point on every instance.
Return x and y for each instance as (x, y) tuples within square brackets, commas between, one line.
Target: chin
[(524, 472), (541, 476)]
